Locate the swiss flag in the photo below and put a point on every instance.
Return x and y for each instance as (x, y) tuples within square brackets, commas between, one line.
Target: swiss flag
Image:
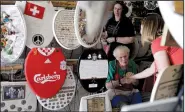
[(34, 10)]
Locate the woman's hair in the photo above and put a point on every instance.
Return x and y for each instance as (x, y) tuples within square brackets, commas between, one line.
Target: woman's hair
[(121, 48), (152, 27), (124, 9)]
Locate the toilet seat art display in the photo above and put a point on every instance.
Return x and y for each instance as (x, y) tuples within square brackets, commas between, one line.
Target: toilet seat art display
[(45, 70), (13, 33), (80, 25), (63, 29), (64, 96), (93, 69), (38, 16)]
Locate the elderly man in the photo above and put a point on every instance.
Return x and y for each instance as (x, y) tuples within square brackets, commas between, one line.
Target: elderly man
[(118, 81)]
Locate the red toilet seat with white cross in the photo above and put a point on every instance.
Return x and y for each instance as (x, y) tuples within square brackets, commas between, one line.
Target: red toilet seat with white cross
[(45, 70)]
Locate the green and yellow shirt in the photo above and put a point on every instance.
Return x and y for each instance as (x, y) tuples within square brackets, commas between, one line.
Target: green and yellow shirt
[(112, 69)]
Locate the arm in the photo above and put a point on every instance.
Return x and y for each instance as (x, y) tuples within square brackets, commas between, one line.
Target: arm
[(116, 83), (162, 62), (125, 40), (103, 38), (112, 85), (146, 73), (128, 29)]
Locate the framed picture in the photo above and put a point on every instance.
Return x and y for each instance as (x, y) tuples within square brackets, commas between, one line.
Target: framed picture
[(96, 104), (13, 92)]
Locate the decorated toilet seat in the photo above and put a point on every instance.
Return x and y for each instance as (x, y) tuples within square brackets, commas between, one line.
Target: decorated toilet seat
[(45, 70), (38, 16), (129, 5), (102, 100), (63, 29), (150, 5), (93, 69), (17, 96), (80, 29), (64, 96), (13, 33)]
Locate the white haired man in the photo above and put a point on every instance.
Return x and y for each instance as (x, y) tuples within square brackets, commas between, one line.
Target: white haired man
[(117, 79)]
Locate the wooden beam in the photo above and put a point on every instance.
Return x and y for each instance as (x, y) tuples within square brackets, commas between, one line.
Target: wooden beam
[(12, 67), (66, 4), (10, 2), (70, 62)]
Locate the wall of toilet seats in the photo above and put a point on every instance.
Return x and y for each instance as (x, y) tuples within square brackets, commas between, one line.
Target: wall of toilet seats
[(34, 37)]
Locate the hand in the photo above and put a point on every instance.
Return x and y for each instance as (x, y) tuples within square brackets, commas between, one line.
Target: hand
[(104, 35), (128, 81), (104, 41), (129, 78), (129, 74), (111, 39), (104, 38), (132, 80), (123, 80)]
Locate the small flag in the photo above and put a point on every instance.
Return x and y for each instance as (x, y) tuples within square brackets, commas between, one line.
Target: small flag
[(34, 10)]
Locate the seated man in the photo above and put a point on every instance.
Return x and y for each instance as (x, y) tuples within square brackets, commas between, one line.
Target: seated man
[(121, 87)]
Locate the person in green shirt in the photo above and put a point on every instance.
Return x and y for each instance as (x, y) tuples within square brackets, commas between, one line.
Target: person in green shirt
[(119, 68), (117, 79)]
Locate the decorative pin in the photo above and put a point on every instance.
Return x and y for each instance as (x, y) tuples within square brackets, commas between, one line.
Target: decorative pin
[(99, 56), (94, 57), (89, 56)]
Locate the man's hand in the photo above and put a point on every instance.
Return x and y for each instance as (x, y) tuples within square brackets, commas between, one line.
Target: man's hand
[(111, 39), (130, 79), (129, 74), (123, 80), (126, 80)]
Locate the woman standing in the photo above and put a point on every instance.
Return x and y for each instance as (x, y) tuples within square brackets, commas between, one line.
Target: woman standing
[(164, 56), (119, 29)]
